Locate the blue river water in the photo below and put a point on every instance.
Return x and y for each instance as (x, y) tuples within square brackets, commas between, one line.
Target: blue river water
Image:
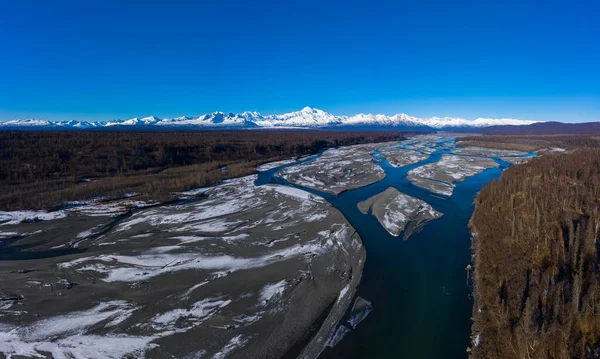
[(418, 287)]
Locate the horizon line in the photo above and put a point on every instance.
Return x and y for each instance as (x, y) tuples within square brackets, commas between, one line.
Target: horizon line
[(304, 109)]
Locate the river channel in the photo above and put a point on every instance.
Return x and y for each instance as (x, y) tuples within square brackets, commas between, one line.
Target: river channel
[(418, 287)]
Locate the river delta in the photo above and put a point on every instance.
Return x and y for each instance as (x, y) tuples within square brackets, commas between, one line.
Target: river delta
[(304, 259)]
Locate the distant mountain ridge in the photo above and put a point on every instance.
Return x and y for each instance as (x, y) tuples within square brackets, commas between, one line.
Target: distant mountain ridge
[(547, 128), (305, 118)]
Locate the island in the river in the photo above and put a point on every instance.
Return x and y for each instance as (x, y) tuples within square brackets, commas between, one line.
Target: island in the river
[(395, 210)]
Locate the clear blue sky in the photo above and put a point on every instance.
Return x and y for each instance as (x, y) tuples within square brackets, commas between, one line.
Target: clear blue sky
[(536, 60)]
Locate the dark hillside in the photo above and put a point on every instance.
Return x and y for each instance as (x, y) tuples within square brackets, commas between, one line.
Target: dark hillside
[(547, 128), (531, 142)]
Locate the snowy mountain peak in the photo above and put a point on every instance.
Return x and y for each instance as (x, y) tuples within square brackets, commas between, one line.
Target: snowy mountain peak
[(251, 114), (26, 122), (149, 120), (485, 122), (305, 118)]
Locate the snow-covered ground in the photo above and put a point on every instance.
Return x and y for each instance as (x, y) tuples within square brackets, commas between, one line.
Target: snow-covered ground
[(95, 207), (211, 276), (270, 165), (398, 157), (487, 152), (395, 210), (16, 217), (336, 170), (440, 176)]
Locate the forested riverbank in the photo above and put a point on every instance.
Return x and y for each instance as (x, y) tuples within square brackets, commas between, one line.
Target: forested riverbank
[(530, 142), (535, 252), (45, 169)]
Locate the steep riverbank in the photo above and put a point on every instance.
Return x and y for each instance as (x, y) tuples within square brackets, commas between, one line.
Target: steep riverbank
[(535, 253)]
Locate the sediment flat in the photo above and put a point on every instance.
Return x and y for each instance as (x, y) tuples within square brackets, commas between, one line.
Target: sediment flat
[(337, 170), (439, 177), (397, 211), (243, 272), (398, 157), (271, 165), (428, 143), (487, 152)]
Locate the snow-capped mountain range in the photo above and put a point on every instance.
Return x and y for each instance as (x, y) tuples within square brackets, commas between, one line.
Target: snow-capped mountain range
[(305, 118)]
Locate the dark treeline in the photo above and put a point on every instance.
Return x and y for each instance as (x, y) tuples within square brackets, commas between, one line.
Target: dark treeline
[(536, 255), (531, 142), (547, 128), (46, 169)]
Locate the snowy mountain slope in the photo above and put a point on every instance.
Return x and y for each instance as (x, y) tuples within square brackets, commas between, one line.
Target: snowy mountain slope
[(150, 120), (305, 118), (215, 119), (43, 124), (30, 122), (78, 124)]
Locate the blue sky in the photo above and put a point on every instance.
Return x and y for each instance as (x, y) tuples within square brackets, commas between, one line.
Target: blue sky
[(102, 60)]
